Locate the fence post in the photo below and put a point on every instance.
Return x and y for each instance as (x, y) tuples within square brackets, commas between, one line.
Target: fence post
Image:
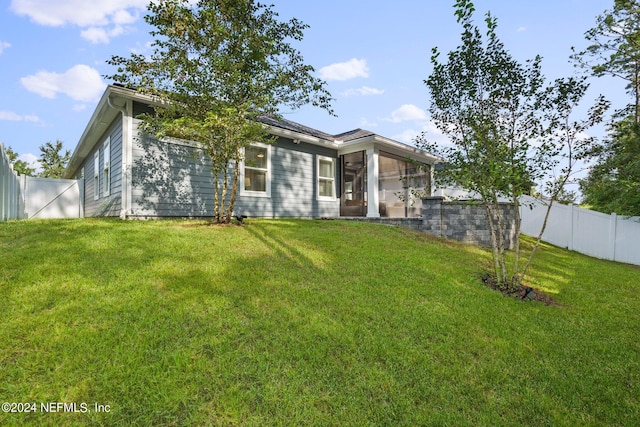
[(9, 189), (4, 185), (81, 192), (613, 228), (22, 206), (570, 243)]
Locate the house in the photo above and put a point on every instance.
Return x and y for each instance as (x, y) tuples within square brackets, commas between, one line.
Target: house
[(306, 173)]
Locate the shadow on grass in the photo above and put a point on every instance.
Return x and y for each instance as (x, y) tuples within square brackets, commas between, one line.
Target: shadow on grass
[(294, 322)]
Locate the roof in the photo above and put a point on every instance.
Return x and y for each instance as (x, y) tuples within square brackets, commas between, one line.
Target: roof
[(354, 134), (295, 127), (113, 101)]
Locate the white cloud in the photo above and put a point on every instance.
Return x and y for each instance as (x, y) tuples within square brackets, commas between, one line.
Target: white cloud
[(366, 123), (432, 134), (124, 17), (521, 29), (363, 91), (32, 160), (102, 35), (581, 136), (80, 82), (407, 136), (345, 70), (14, 117), (3, 46), (78, 12), (95, 35), (105, 13), (141, 49), (408, 112)]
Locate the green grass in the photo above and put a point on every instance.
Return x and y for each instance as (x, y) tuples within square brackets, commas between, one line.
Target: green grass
[(305, 323)]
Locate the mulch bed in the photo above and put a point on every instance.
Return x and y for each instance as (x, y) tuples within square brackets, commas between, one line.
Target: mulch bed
[(522, 292)]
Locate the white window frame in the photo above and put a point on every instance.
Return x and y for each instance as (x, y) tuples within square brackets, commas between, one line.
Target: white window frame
[(106, 166), (249, 193), (96, 175), (332, 179)]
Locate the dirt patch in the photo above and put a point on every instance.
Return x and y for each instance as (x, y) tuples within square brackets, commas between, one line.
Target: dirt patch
[(522, 292), (211, 223)]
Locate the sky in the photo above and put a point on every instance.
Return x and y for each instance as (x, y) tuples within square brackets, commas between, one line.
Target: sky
[(373, 54)]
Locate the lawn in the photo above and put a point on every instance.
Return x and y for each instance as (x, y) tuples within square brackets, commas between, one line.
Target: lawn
[(295, 322)]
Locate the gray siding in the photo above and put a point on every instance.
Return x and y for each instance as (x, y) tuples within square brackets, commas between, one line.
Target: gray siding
[(169, 180), (105, 205), (175, 180), (293, 184)]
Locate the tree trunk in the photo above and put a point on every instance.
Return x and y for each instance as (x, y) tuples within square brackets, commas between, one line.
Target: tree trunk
[(637, 91), (516, 280), (234, 187), (225, 186), (216, 197), (521, 274), (494, 241)]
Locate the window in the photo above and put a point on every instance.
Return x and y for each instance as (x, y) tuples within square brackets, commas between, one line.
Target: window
[(257, 171), (326, 168), (401, 185), (106, 160), (96, 175)]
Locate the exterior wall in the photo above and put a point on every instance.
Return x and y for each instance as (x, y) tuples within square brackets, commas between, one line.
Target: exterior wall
[(169, 179), (105, 205), (465, 221), (294, 191), (174, 179)]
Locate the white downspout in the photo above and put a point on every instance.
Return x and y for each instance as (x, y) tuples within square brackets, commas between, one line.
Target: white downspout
[(127, 155)]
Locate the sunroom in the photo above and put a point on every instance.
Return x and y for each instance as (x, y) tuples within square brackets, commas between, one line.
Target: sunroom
[(380, 177)]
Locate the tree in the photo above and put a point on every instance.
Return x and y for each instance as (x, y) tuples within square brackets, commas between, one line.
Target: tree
[(216, 67), (615, 49), (507, 128), (20, 166), (52, 161), (613, 183)]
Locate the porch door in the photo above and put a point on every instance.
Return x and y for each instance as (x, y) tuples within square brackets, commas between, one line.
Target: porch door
[(353, 200)]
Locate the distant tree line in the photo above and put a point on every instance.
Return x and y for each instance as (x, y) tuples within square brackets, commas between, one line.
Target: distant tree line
[(53, 161), (613, 182)]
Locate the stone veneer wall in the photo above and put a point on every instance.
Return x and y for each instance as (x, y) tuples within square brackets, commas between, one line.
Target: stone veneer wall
[(413, 223), (465, 221)]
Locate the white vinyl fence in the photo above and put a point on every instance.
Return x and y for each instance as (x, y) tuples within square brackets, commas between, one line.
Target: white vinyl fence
[(11, 200), (52, 197), (30, 197), (592, 233)]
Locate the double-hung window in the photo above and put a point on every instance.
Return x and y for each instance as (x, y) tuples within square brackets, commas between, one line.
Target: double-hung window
[(326, 178), (106, 167), (96, 175), (256, 171)]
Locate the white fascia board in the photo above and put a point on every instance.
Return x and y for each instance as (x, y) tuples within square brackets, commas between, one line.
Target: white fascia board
[(356, 145), (386, 144)]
